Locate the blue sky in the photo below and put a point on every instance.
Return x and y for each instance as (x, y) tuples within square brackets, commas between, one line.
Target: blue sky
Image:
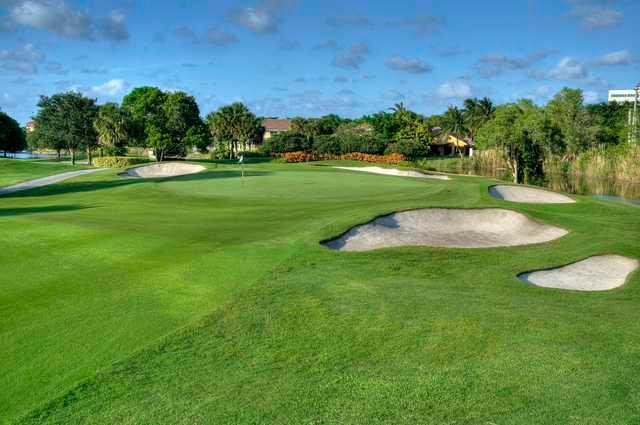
[(309, 58)]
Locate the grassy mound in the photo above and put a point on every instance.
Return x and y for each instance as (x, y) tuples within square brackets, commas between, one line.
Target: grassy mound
[(208, 299)]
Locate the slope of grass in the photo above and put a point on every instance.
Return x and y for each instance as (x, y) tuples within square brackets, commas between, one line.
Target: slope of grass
[(14, 171), (206, 299), (97, 267)]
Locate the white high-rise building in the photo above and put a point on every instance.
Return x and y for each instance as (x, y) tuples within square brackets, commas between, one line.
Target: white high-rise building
[(622, 96)]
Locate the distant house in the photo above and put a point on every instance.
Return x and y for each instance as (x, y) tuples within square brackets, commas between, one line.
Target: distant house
[(452, 144), (274, 126), (364, 128), (31, 126)]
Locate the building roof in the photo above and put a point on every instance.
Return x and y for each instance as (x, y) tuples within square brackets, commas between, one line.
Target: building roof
[(453, 139), (276, 124)]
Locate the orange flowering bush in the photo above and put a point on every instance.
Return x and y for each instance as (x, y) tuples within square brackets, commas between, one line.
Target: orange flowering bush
[(394, 158)]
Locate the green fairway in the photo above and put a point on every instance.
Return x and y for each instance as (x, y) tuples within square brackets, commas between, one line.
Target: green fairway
[(208, 299), (14, 171)]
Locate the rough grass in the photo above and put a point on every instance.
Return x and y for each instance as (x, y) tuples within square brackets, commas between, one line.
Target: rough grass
[(204, 299), (14, 171)]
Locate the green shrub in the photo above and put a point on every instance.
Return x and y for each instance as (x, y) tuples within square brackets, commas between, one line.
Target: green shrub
[(327, 145), (285, 142), (118, 161)]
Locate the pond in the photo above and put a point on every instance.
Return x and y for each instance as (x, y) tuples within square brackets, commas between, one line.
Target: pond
[(30, 155), (603, 188)]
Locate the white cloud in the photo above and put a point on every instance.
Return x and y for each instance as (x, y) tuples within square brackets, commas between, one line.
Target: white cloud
[(413, 66), (352, 58), (114, 27), (256, 20), (23, 59), (52, 15), (263, 18), (455, 89), (568, 69), (495, 64), (58, 17), (111, 88), (422, 25), (595, 14), (620, 57)]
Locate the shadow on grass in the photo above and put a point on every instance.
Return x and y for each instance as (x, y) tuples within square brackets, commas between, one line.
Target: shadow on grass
[(8, 212), (93, 186)]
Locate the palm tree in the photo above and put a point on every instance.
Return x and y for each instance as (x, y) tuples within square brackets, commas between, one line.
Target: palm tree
[(112, 125), (487, 108), (398, 108), (453, 122), (476, 114)]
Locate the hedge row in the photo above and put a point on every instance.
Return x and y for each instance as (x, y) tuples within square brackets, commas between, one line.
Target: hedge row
[(118, 161), (394, 158)]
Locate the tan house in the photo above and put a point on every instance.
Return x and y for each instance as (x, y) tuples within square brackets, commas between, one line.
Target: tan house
[(275, 125), (31, 125), (452, 144)]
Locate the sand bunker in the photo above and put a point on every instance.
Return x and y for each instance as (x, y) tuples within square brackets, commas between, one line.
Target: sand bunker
[(451, 228), (598, 273), (169, 169), (528, 195), (395, 172)]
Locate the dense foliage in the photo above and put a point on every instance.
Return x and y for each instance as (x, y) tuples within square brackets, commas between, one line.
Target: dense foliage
[(234, 128), (65, 121), (169, 124), (12, 137)]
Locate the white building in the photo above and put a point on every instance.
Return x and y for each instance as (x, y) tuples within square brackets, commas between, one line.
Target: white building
[(622, 96)]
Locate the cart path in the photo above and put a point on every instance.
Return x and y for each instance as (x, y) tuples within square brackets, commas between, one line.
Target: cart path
[(45, 181)]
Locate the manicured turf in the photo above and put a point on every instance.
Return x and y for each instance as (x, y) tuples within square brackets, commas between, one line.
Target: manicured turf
[(14, 171), (207, 299)]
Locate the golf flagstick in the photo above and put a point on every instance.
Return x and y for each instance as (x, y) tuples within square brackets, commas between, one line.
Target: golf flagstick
[(241, 162)]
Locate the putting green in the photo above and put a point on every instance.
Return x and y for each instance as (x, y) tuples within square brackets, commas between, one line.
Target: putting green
[(208, 298)]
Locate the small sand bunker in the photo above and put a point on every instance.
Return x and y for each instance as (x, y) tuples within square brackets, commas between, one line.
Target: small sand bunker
[(395, 172), (168, 169), (598, 273), (451, 228), (528, 195)]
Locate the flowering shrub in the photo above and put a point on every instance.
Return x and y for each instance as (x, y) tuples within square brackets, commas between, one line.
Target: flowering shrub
[(394, 158), (118, 161)]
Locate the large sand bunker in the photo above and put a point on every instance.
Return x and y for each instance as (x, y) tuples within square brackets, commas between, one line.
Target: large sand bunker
[(395, 172), (169, 169), (528, 195), (451, 228), (598, 273)]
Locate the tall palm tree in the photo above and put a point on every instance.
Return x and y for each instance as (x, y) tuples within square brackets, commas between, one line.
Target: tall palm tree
[(487, 108), (476, 113), (112, 125), (398, 108), (453, 122)]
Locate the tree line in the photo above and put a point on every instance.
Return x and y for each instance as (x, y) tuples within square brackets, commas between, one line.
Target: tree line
[(523, 133), (170, 124)]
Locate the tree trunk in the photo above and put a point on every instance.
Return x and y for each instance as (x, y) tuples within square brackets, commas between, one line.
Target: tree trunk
[(89, 156), (4, 154), (73, 156), (58, 153)]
